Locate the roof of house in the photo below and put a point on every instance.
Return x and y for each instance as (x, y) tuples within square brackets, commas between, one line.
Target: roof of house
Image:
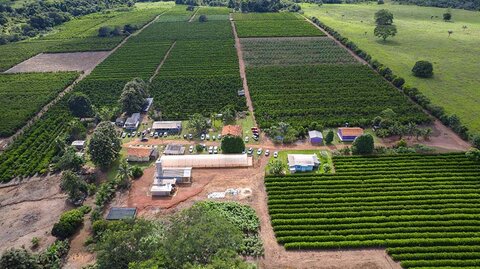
[(167, 125), (235, 130), (351, 131), (139, 151), (174, 149), (117, 213), (315, 134), (302, 159), (78, 143), (132, 120), (161, 188)]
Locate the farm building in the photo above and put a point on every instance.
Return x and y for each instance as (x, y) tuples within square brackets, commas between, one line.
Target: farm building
[(132, 122), (171, 127), (120, 121), (234, 130), (119, 213), (174, 149), (165, 179), (166, 189), (141, 154), (207, 161), (349, 134), (79, 144), (148, 105), (316, 137), (302, 162)]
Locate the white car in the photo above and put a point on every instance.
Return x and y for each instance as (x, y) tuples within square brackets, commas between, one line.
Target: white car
[(124, 135), (202, 137), (207, 136), (267, 152), (191, 149), (215, 150), (214, 138), (155, 135), (219, 136), (152, 134), (210, 150), (246, 138), (259, 151), (250, 151), (275, 154), (190, 136), (165, 134)]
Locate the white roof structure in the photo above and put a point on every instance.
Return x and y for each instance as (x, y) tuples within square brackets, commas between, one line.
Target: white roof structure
[(303, 160), (207, 161), (315, 134), (161, 190), (78, 143), (167, 125)]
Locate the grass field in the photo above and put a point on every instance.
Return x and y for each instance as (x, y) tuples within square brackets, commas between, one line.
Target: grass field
[(456, 74), (423, 208), (26, 94)]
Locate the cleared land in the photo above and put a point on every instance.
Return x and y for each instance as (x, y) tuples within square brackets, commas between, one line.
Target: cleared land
[(80, 34), (420, 37), (422, 208), (26, 94), (273, 25), (326, 94), (293, 51), (54, 62)]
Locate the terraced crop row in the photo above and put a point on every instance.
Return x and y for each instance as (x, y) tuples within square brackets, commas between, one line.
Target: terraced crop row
[(328, 94), (425, 218), (293, 51)]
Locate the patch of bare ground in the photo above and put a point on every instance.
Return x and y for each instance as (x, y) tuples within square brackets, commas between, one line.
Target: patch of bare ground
[(55, 62), (28, 210)]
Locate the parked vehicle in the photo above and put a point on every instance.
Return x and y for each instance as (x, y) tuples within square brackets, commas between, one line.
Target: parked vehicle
[(214, 138), (202, 137), (267, 152), (165, 134), (144, 139), (207, 136), (210, 150), (250, 151), (152, 134), (219, 136), (190, 136), (275, 154), (124, 135), (191, 149), (259, 151), (215, 150), (246, 139)]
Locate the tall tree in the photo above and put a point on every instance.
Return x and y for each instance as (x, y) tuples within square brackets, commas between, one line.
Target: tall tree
[(80, 105), (363, 144), (104, 146), (232, 144), (133, 97), (384, 22), (197, 123), (74, 186), (124, 174)]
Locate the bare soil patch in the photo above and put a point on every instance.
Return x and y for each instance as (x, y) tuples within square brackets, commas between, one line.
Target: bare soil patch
[(54, 62), (29, 210)]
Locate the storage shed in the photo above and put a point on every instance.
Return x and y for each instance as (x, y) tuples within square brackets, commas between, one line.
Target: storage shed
[(316, 137), (141, 154), (174, 149), (171, 127), (349, 134), (207, 161), (132, 122), (78, 144), (302, 162), (177, 174)]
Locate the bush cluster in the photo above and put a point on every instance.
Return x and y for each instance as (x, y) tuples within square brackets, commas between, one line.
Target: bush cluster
[(69, 222)]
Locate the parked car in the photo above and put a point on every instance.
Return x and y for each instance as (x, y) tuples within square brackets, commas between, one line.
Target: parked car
[(267, 152), (219, 136), (215, 150), (152, 134), (259, 151), (190, 136), (129, 134), (255, 138), (250, 151), (138, 134), (207, 136), (210, 150), (155, 135), (134, 133), (246, 139), (275, 154), (184, 136), (124, 135), (165, 134), (202, 137), (144, 139), (190, 149), (214, 138)]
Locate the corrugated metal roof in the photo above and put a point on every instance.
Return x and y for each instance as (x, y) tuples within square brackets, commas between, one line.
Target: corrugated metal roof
[(205, 161), (351, 131), (302, 159), (118, 213), (315, 134)]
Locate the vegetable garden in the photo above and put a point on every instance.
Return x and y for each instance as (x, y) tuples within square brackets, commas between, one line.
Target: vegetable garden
[(328, 94), (25, 94), (422, 208), (293, 51)]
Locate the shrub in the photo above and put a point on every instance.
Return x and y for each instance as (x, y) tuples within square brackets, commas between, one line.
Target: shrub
[(232, 144), (35, 242), (69, 222), (423, 69), (476, 141), (18, 258), (363, 144), (398, 82), (202, 18), (137, 172), (329, 137)]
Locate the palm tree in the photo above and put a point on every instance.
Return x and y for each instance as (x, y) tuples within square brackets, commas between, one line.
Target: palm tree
[(124, 174)]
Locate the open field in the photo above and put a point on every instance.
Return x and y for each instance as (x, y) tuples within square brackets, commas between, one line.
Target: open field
[(424, 215), (26, 94), (327, 94), (420, 37), (293, 51)]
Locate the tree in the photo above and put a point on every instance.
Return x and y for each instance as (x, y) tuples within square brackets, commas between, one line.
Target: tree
[(124, 174), (276, 167), (282, 133), (137, 172), (76, 131), (447, 16), (133, 97), (191, 237), (388, 114), (223, 259), (423, 69), (473, 154), (69, 222), (75, 187), (104, 31), (18, 259), (385, 31), (104, 146), (202, 18), (329, 137), (232, 144), (197, 124), (228, 114), (426, 133), (327, 168), (476, 141), (383, 17), (80, 105), (363, 144), (69, 160)]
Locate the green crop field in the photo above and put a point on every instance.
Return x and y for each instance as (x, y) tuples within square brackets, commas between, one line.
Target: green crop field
[(328, 94), (420, 37), (26, 94), (214, 13), (423, 208), (275, 28), (293, 51)]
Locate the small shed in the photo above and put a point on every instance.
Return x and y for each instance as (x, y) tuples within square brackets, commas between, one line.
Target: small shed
[(234, 130), (132, 122), (119, 213), (177, 174), (349, 134), (302, 162), (120, 121), (174, 149), (162, 190), (172, 127), (79, 144), (316, 137), (141, 154), (148, 105)]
